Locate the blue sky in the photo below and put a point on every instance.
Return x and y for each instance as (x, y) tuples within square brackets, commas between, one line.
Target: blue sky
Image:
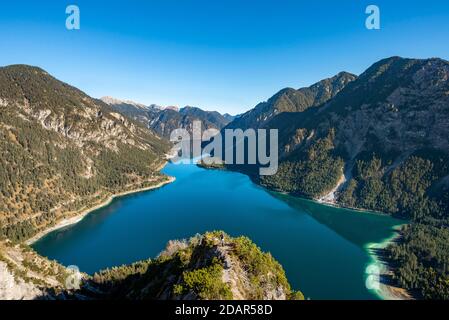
[(224, 55)]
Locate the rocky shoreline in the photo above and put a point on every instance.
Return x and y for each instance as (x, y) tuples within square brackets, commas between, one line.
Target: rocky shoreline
[(385, 288)]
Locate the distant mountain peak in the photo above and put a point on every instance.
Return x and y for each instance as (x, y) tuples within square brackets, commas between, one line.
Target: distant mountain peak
[(163, 120), (292, 100), (396, 113), (173, 108), (114, 101), (24, 67)]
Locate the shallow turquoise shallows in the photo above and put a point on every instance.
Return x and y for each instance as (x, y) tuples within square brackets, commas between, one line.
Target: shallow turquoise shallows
[(322, 249)]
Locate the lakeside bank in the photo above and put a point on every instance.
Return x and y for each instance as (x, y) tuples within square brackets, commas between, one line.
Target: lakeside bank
[(83, 213), (383, 287), (379, 272)]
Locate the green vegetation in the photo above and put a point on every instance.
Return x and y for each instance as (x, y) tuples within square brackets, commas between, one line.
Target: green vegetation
[(63, 152), (311, 173), (194, 270), (291, 101), (404, 191), (389, 126), (421, 259), (258, 266), (216, 164), (206, 283), (39, 175), (26, 265)]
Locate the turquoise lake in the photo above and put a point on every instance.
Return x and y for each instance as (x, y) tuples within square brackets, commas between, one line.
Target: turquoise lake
[(322, 249)]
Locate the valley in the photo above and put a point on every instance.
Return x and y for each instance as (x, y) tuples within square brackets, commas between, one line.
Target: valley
[(81, 182), (301, 235)]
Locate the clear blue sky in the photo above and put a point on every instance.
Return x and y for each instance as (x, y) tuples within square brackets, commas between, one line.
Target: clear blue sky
[(226, 55)]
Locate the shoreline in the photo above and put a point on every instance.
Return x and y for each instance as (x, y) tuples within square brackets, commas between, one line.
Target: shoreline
[(331, 204), (328, 203), (334, 204), (339, 206), (79, 217), (386, 290)]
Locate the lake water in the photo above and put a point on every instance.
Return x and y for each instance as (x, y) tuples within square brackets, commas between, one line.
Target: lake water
[(322, 249)]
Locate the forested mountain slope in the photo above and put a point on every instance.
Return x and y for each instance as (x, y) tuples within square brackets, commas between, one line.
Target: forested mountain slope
[(382, 143), (387, 131), (64, 152)]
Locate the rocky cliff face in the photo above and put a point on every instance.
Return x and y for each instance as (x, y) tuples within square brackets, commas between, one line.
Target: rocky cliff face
[(131, 109), (63, 151), (403, 103), (24, 275)]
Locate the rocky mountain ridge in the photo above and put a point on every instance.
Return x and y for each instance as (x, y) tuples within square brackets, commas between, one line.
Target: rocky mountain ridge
[(164, 120), (201, 268), (291, 100)]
